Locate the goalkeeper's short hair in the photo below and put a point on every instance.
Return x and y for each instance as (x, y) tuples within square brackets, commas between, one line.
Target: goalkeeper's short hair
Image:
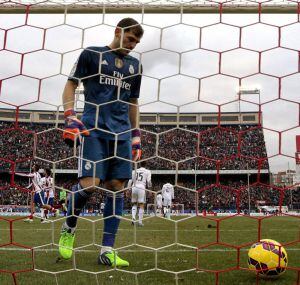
[(130, 24)]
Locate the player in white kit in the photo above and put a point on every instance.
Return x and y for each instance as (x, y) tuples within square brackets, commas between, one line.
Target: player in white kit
[(159, 204), (167, 192), (141, 179)]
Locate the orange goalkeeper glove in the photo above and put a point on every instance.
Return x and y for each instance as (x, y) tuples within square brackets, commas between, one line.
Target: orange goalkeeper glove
[(74, 129), (136, 145)]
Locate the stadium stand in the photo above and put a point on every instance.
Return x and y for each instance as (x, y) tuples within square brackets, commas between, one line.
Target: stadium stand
[(235, 149), (212, 196)]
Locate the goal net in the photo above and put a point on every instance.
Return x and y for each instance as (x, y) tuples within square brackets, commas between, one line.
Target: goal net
[(219, 118)]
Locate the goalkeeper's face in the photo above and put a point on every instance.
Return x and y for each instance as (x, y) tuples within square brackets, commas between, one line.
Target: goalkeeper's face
[(127, 42)]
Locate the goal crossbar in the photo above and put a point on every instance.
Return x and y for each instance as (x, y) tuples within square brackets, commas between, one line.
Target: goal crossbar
[(205, 7)]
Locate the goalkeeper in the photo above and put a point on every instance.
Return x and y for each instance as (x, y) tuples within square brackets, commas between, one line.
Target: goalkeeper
[(108, 74)]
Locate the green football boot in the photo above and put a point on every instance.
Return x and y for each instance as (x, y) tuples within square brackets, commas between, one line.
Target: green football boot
[(66, 243), (112, 259)]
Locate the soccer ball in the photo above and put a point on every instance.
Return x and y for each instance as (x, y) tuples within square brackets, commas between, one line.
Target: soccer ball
[(268, 258)]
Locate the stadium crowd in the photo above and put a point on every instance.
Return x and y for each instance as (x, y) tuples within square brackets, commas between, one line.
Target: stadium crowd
[(193, 147), (209, 196)]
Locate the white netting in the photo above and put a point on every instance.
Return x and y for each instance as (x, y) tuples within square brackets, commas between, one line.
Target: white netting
[(219, 112)]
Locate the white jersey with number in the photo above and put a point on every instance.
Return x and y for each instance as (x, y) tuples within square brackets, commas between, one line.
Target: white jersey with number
[(167, 194), (159, 201), (141, 179)]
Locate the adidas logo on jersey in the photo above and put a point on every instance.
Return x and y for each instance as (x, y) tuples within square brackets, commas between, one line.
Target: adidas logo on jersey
[(104, 62)]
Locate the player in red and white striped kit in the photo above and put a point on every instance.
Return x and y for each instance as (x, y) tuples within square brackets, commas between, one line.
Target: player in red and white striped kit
[(37, 189), (48, 189)]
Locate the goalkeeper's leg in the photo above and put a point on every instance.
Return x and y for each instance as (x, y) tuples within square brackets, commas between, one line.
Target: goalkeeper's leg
[(118, 171), (76, 203), (107, 255)]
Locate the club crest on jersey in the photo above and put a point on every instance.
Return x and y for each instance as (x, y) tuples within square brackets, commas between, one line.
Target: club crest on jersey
[(88, 166), (119, 63), (131, 69)]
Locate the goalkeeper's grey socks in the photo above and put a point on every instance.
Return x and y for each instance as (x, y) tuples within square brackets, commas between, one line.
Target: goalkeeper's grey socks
[(105, 249), (80, 197), (65, 227)]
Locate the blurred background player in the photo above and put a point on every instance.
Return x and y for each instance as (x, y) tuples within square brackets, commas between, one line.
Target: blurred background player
[(35, 185), (49, 194), (159, 204), (38, 193), (44, 212), (120, 78), (63, 201), (141, 179), (167, 192)]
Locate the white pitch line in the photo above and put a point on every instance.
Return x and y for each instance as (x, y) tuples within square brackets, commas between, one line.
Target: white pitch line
[(133, 250), (154, 230)]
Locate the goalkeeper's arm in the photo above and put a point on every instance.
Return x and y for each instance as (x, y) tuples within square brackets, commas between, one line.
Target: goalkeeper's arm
[(69, 95), (136, 134), (74, 128)]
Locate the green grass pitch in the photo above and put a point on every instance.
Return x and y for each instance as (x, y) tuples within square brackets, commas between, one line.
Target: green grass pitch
[(156, 251)]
